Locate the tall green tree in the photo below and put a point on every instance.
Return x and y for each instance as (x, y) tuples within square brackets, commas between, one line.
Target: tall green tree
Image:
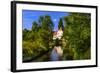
[(35, 26), (60, 24), (78, 33), (39, 38), (46, 29), (47, 22)]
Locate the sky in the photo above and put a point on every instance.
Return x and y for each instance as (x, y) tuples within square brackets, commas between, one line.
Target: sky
[(29, 16)]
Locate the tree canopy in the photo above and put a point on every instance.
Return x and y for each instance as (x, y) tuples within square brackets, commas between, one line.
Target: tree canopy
[(78, 34)]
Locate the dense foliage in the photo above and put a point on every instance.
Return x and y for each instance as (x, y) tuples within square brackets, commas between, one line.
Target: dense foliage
[(77, 35), (75, 42)]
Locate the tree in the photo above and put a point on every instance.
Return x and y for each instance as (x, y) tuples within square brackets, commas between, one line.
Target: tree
[(39, 38), (60, 25), (46, 22), (78, 33), (25, 34), (46, 29), (35, 26)]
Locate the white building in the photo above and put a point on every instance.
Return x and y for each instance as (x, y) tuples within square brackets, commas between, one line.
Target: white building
[(58, 34)]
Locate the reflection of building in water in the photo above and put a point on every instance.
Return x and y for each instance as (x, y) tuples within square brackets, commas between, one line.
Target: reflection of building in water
[(57, 52)]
